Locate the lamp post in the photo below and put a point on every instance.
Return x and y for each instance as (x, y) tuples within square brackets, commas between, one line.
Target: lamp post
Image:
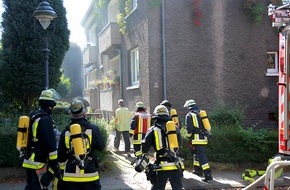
[(45, 14)]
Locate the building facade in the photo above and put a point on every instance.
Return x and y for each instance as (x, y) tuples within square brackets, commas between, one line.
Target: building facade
[(209, 51)]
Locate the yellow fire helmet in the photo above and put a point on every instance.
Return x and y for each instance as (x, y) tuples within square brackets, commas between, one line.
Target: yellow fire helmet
[(47, 95), (160, 110), (47, 98), (140, 105)]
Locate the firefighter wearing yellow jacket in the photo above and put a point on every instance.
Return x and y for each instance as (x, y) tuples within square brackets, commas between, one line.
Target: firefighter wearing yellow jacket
[(139, 125), (198, 138), (78, 145), (40, 159), (169, 164)]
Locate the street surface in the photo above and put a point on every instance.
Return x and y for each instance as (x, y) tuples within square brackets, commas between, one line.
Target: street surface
[(120, 175)]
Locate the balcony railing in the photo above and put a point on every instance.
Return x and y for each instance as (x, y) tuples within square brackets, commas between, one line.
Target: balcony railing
[(109, 38), (90, 55)]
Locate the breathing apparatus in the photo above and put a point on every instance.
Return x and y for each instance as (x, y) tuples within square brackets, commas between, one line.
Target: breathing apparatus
[(22, 134)]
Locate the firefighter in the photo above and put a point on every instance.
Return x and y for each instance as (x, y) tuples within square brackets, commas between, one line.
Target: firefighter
[(172, 112), (40, 160), (139, 125), (198, 139), (78, 146), (167, 166)]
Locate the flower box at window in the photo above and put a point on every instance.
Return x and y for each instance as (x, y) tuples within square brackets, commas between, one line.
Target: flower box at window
[(272, 64)]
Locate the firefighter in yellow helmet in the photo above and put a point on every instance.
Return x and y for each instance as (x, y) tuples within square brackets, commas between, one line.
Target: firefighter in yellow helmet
[(139, 125), (78, 145), (198, 136), (168, 164), (41, 158)]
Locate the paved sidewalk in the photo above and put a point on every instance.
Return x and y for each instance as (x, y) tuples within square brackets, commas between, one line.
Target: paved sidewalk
[(124, 177)]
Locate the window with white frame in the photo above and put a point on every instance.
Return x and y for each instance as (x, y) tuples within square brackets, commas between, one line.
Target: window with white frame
[(134, 4), (134, 61), (272, 64)]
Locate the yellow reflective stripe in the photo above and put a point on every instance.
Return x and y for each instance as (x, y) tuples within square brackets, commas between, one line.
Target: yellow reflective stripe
[(136, 141), (89, 133), (140, 124), (50, 170), (53, 155), (196, 140), (81, 179), (170, 166), (55, 184), (34, 129), (131, 131), (62, 165), (80, 176), (158, 139), (194, 120), (205, 166), (30, 163), (196, 163), (66, 139)]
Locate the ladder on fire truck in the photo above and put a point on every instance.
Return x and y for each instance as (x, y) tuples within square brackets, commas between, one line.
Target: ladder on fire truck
[(280, 17)]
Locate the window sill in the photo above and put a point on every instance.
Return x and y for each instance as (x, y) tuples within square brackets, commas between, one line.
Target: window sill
[(272, 74), (133, 87)]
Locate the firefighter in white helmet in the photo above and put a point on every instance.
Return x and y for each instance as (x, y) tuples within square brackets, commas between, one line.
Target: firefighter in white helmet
[(198, 136), (41, 150), (78, 145), (168, 165), (172, 112)]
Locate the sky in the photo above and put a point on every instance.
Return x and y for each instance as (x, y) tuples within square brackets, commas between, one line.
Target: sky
[(76, 9)]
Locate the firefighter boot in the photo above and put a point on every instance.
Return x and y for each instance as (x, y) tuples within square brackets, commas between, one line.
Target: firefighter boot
[(207, 176), (198, 171)]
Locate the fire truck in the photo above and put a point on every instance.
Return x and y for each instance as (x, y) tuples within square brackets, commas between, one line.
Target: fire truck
[(280, 17)]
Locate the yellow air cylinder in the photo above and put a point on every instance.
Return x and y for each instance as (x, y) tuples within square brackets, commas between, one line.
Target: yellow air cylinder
[(205, 120), (77, 140), (22, 133), (172, 136), (174, 116)]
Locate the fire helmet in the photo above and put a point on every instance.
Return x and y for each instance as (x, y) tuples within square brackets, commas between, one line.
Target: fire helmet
[(160, 110), (189, 103), (140, 105), (47, 99), (166, 103), (79, 106)]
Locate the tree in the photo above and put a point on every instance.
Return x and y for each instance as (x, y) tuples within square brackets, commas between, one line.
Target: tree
[(72, 66), (22, 73)]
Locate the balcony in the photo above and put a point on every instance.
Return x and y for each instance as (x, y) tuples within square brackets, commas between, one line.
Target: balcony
[(90, 55), (109, 38)]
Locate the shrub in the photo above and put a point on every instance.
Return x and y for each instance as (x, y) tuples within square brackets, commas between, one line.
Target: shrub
[(226, 115)]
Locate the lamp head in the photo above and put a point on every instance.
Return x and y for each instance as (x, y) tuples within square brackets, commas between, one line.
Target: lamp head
[(45, 14)]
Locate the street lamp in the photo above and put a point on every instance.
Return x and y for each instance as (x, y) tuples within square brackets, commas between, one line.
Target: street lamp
[(45, 14)]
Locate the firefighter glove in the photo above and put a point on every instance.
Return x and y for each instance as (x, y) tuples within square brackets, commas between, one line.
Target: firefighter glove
[(46, 178)]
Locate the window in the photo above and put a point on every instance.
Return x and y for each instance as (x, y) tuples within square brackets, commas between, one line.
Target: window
[(134, 4), (272, 64), (134, 61)]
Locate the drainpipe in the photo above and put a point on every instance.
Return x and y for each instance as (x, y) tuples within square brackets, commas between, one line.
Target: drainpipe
[(163, 53), (120, 70)]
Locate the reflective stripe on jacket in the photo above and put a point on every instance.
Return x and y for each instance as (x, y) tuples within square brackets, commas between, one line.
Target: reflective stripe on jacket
[(38, 157), (72, 172), (193, 127), (141, 123)]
